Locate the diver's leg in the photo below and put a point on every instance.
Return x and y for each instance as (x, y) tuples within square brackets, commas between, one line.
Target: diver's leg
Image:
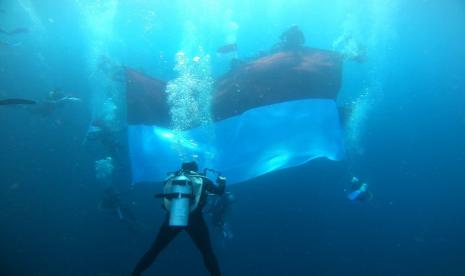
[(198, 231), (164, 237)]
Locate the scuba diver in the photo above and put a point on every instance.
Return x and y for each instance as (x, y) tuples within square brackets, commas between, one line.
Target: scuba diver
[(290, 40), (112, 203), (184, 196), (99, 131), (359, 191), (350, 48), (218, 208), (54, 100), (111, 69), (15, 31)]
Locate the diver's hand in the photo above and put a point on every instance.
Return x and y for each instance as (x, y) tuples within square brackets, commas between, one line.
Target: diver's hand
[(221, 180), (72, 99)]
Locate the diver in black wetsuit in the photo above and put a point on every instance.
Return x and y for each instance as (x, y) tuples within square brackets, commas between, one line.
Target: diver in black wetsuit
[(113, 202), (292, 39), (185, 217), (218, 208), (55, 100)]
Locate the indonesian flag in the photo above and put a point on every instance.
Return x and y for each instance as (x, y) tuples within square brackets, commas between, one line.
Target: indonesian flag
[(272, 113)]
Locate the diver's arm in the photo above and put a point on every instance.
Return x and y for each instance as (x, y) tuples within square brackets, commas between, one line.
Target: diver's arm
[(66, 99), (216, 189)]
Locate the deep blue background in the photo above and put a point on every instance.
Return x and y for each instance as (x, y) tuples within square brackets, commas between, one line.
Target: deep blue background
[(294, 222)]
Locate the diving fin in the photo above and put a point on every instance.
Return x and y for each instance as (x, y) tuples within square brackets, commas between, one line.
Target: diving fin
[(16, 101)]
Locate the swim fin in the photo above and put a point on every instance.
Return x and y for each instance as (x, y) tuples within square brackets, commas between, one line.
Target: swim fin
[(16, 101)]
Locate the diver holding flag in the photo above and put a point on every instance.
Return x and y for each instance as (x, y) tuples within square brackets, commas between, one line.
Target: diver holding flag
[(184, 196)]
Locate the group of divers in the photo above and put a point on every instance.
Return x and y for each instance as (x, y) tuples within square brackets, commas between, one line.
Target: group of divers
[(187, 194)]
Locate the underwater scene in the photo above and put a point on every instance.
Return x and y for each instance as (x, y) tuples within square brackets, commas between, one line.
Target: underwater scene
[(232, 137)]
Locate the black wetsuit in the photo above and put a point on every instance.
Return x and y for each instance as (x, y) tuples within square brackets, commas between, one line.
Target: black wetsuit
[(197, 230)]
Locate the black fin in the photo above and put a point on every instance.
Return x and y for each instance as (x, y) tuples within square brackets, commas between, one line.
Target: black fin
[(16, 101)]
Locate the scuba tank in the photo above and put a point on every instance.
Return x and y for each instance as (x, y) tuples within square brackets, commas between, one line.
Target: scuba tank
[(181, 196)]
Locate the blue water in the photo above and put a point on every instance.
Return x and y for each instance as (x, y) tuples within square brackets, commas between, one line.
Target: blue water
[(406, 137)]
